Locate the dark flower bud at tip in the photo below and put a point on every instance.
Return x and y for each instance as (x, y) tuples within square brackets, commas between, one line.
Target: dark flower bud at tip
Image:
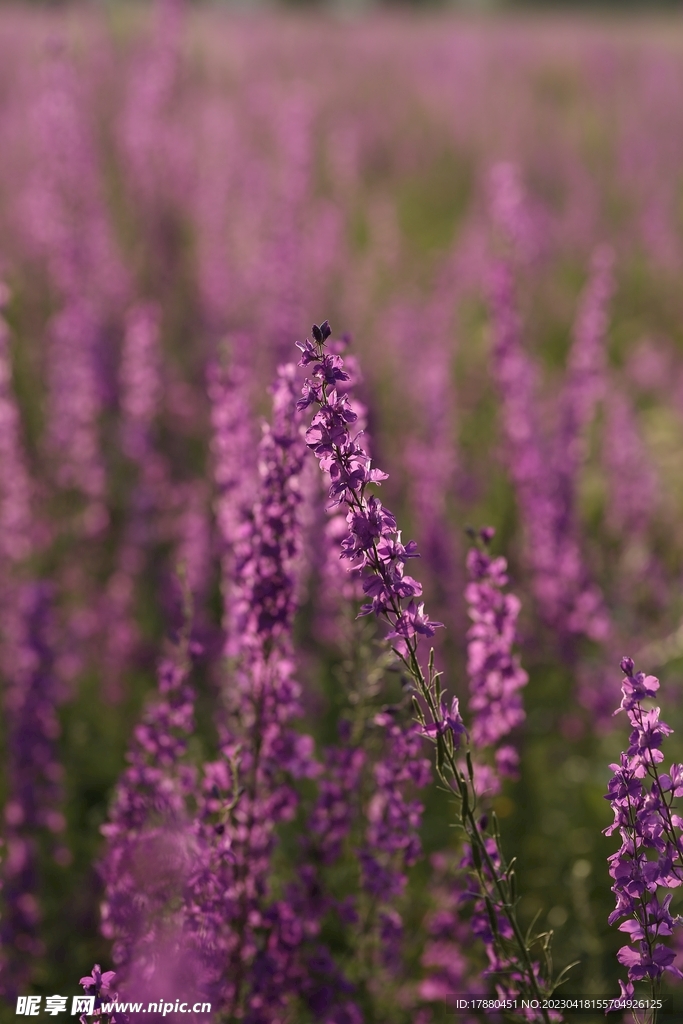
[(483, 822), (627, 666), (487, 534), (322, 333), (219, 830)]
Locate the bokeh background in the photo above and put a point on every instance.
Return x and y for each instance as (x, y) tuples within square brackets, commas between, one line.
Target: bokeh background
[(248, 171)]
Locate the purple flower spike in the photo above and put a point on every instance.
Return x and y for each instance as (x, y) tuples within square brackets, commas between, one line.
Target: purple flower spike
[(496, 676), (651, 853), (374, 541)]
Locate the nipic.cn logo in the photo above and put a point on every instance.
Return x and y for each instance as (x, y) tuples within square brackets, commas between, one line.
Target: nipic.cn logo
[(29, 1006)]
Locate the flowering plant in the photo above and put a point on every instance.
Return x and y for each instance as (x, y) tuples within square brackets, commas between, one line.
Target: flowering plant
[(375, 547), (650, 859)]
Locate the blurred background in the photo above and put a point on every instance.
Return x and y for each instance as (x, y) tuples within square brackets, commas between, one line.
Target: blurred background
[(579, 6), (178, 178)]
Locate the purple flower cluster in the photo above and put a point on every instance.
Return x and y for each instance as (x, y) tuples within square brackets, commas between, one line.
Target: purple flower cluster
[(233, 473), (15, 485), (567, 598), (585, 381), (232, 915), (449, 970), (651, 854), (393, 820), (264, 600), (333, 812), (392, 841), (17, 518), (373, 542), (100, 985), (149, 840), (143, 204), (33, 809), (496, 676)]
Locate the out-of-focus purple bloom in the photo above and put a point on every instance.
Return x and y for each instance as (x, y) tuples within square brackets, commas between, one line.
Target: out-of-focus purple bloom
[(392, 842), (233, 472), (449, 971), (512, 213), (332, 815), (18, 533), (229, 903), (140, 381), (33, 808), (74, 411), (544, 468), (507, 761), (496, 676), (150, 846), (16, 527)]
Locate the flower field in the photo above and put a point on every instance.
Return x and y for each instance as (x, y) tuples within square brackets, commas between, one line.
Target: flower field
[(233, 771)]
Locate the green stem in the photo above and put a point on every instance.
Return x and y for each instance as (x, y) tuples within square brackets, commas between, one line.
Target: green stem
[(445, 748)]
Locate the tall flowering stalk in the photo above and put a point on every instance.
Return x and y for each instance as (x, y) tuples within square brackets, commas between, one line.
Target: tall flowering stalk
[(585, 381), (392, 841), (650, 858), (374, 545), (544, 469), (15, 483), (242, 931), (17, 524), (140, 396), (496, 676), (233, 474), (568, 599), (149, 842), (34, 800)]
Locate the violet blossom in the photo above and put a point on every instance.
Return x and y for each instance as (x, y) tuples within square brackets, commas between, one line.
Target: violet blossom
[(233, 918), (496, 675), (650, 858), (99, 985), (392, 842), (544, 468), (373, 542), (375, 546), (33, 808), (149, 841)]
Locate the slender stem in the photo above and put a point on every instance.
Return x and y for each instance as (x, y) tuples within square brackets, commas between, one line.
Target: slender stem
[(355, 502)]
